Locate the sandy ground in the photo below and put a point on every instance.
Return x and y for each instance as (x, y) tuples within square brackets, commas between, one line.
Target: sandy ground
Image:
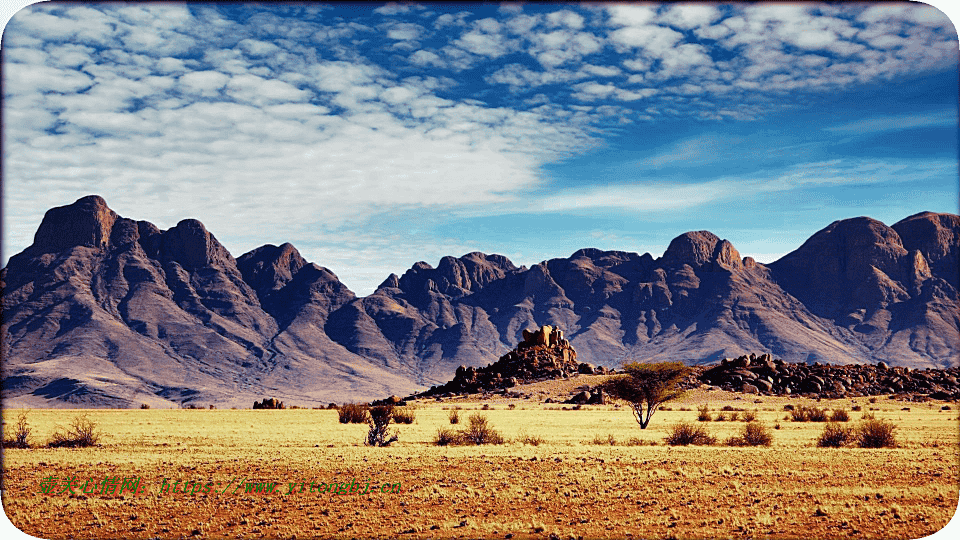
[(568, 486)]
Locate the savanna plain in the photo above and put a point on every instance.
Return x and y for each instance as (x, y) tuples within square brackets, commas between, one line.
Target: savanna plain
[(562, 472)]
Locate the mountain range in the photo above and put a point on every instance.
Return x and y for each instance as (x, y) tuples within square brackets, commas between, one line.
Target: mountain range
[(106, 311)]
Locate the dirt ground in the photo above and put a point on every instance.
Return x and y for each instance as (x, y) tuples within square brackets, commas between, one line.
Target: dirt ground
[(572, 484)]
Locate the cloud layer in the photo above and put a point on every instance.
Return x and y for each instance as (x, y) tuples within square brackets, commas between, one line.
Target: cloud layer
[(318, 125)]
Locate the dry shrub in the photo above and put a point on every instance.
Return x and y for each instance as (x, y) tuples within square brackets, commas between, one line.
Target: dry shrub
[(479, 432), (21, 434), (720, 417), (875, 433), (840, 415), (834, 436), (454, 417), (704, 415), (144, 405), (749, 416), (609, 439), (857, 408), (634, 441), (532, 440), (816, 414), (380, 417), (446, 437), (734, 416), (683, 434), (753, 434), (353, 413), (404, 415), (81, 434)]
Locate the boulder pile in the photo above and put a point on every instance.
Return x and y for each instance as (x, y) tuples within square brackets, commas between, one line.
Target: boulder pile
[(543, 354), (765, 375)]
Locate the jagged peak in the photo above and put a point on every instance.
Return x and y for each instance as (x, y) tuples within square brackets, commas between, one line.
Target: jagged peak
[(695, 248)]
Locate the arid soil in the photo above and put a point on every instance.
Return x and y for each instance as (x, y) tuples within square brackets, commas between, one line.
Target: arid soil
[(567, 486)]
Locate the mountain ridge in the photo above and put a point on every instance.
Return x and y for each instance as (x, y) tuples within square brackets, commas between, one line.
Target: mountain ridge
[(102, 310)]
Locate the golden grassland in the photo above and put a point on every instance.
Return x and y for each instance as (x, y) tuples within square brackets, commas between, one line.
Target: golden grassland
[(568, 485)]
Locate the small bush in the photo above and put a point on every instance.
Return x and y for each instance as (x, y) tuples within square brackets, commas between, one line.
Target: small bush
[(734, 416), (728, 408), (144, 406), (834, 436), (81, 434), (720, 417), (609, 439), (479, 432), (816, 414), (380, 417), (446, 437), (856, 408), (872, 400), (21, 434), (704, 415), (404, 415), (353, 413), (486, 407), (684, 434), (788, 407), (634, 441), (776, 426), (753, 434), (840, 415), (876, 434), (512, 406), (532, 440), (454, 417), (749, 416)]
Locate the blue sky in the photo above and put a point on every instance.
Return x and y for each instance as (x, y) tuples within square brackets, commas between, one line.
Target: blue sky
[(374, 136)]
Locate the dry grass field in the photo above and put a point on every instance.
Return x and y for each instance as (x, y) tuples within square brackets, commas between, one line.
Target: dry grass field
[(572, 484)]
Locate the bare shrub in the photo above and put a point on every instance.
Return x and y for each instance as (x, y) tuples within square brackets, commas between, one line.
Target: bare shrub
[(634, 441), (609, 439), (734, 416), (840, 415), (684, 434), (704, 415), (479, 432), (800, 414), (21, 434), (720, 417), (446, 437), (353, 413), (454, 417), (380, 417), (816, 414), (749, 416), (404, 415), (81, 434), (532, 440), (856, 408), (875, 433), (752, 434), (834, 436)]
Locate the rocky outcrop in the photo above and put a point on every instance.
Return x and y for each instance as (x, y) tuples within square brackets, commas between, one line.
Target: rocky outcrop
[(269, 403), (543, 354), (765, 375)]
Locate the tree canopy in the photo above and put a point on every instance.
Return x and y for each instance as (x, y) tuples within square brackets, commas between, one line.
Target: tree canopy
[(647, 386)]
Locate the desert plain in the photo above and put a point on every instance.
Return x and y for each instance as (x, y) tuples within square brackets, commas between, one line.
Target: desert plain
[(573, 483)]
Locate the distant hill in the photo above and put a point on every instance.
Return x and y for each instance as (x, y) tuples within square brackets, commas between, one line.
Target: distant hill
[(106, 311)]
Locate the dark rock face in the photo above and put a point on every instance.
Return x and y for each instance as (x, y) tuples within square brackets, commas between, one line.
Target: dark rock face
[(128, 311), (764, 375)]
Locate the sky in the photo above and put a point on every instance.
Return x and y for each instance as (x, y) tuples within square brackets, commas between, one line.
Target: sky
[(373, 136)]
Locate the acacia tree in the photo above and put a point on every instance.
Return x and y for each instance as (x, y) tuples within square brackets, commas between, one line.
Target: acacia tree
[(647, 386)]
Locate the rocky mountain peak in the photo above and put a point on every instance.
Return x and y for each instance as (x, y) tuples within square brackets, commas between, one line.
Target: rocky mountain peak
[(270, 267), (87, 222), (702, 249)]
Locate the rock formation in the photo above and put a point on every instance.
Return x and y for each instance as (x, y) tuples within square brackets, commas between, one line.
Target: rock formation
[(765, 375), (543, 354)]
